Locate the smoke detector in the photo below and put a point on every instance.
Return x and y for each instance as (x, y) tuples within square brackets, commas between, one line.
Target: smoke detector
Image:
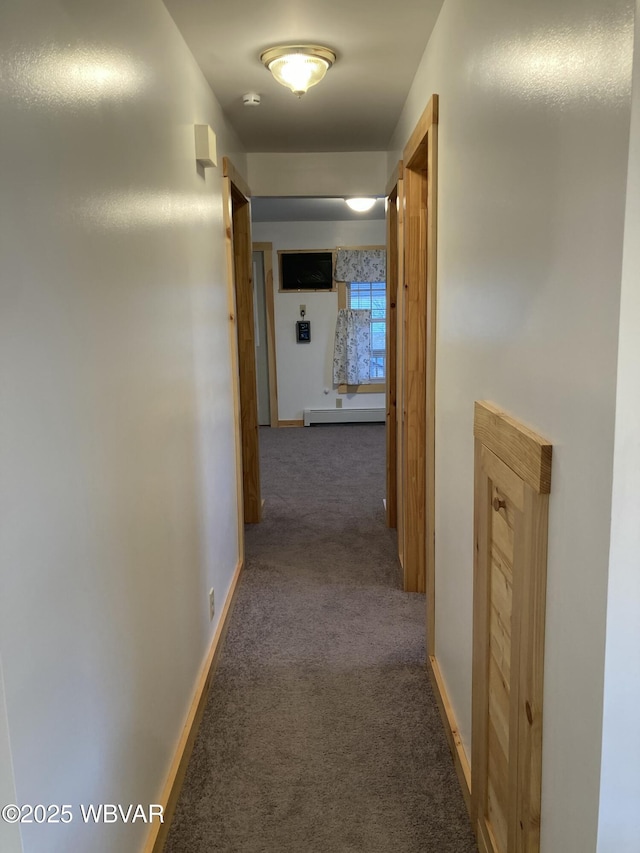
[(251, 99)]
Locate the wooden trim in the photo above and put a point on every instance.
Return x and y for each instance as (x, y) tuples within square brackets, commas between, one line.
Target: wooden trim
[(415, 402), (431, 347), (233, 349), (480, 658), (532, 599), (230, 171), (486, 839), (267, 254), (373, 388), (420, 302), (523, 450), (427, 120), (452, 732), (400, 368), (342, 295), (394, 178), (483, 840), (243, 279), (392, 353), (171, 792), (510, 483), (294, 423), (519, 558)]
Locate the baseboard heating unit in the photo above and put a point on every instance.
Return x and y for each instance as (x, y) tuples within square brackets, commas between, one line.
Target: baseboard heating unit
[(343, 416)]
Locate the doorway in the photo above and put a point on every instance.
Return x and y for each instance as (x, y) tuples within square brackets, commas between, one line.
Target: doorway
[(264, 310), (419, 179), (262, 356), (237, 215), (395, 356)]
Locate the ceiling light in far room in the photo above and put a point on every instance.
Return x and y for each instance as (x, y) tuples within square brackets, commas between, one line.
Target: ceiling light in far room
[(361, 205), (298, 66)]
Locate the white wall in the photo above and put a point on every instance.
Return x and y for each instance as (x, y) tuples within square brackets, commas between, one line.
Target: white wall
[(328, 173), (619, 826), (534, 123), (116, 444), (305, 370), (9, 832)]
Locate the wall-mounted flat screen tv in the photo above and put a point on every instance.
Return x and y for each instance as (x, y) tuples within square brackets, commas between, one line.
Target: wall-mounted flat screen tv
[(306, 271)]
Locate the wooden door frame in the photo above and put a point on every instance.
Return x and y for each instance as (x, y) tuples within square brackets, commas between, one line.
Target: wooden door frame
[(239, 251), (395, 318), (420, 189)]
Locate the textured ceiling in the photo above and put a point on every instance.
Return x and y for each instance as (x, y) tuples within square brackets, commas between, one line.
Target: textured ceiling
[(379, 45)]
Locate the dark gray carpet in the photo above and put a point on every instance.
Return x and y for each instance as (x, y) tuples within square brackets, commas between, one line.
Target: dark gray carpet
[(321, 732)]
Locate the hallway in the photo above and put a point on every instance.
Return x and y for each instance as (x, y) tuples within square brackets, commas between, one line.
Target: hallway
[(321, 732), (119, 508)]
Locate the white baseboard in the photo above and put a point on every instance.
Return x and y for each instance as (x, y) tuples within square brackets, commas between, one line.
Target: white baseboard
[(344, 416)]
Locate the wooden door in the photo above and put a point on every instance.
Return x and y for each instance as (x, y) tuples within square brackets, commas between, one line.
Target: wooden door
[(512, 480)]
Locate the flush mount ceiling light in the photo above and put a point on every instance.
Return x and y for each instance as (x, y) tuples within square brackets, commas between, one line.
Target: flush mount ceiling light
[(298, 66), (361, 205)]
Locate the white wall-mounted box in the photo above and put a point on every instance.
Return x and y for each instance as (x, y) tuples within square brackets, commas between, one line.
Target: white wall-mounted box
[(205, 145)]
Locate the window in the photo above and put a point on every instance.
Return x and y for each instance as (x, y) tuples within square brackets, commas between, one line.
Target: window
[(360, 273), (373, 296)]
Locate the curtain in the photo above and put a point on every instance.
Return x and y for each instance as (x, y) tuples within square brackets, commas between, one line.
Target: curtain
[(352, 350), (361, 265)]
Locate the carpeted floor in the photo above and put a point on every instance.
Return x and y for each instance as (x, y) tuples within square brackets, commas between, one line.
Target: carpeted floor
[(321, 732)]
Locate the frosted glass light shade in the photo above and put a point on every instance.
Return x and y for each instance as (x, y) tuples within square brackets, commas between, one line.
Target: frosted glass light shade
[(298, 67), (361, 205)]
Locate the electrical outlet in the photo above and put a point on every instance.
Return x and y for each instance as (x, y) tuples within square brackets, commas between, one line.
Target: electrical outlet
[(212, 604), (338, 403)]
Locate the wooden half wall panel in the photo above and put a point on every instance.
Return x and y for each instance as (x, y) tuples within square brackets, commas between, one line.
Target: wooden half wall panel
[(512, 482)]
